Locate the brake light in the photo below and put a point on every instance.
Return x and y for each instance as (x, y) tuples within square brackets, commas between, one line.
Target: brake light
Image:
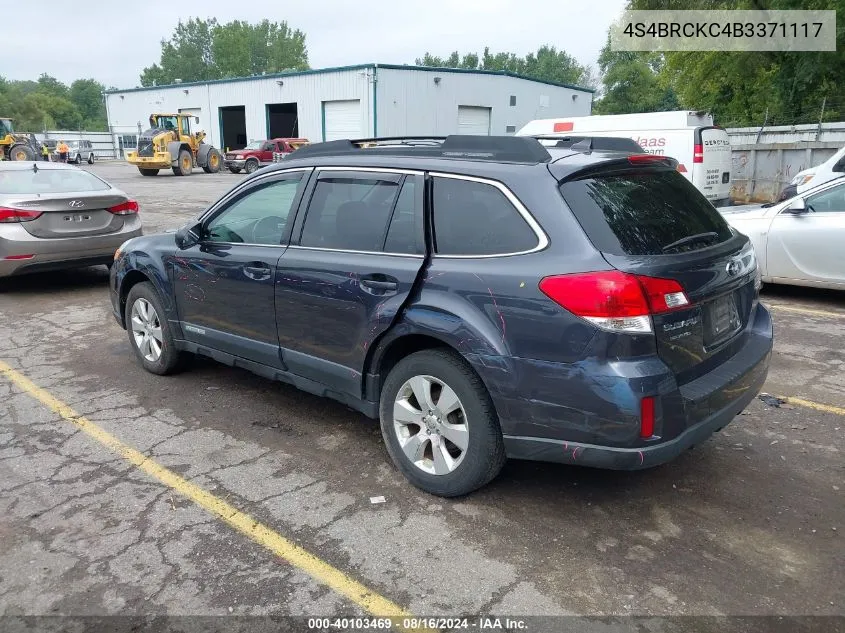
[(19, 256), (8, 215), (637, 159), (125, 208), (563, 126), (613, 300), (698, 153), (647, 417)]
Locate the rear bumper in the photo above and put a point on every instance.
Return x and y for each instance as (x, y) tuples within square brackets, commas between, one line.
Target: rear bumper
[(699, 408), (59, 253)]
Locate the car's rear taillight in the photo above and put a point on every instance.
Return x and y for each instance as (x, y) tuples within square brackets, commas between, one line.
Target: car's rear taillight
[(698, 153), (613, 300), (125, 208), (9, 215)]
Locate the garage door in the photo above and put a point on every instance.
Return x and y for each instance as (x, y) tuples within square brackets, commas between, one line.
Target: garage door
[(342, 119), (473, 120)]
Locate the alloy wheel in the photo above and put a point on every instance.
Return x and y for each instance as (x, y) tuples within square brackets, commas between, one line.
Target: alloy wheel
[(431, 425), (146, 329)]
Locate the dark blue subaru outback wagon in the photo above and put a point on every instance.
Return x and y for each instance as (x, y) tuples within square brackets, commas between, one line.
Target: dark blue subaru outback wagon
[(481, 297)]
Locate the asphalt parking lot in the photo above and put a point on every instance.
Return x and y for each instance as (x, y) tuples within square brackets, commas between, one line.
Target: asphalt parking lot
[(749, 523)]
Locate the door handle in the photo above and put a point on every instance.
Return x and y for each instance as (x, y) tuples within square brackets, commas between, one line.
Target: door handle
[(257, 270), (379, 284)]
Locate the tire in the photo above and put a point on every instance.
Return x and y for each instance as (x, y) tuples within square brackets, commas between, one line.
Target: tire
[(148, 172), (251, 166), (91, 158), (473, 418), (141, 299), (184, 163), (21, 152), (215, 161), (235, 170), (77, 160)]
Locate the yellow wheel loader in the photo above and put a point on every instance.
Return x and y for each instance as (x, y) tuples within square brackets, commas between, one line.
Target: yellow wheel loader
[(170, 144), (16, 146)]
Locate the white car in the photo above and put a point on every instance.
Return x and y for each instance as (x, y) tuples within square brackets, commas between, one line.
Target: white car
[(800, 241)]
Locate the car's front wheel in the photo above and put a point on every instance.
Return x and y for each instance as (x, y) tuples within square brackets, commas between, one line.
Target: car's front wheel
[(440, 425), (149, 331)]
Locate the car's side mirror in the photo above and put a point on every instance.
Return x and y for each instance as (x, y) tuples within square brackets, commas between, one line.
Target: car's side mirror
[(196, 120), (796, 207), (188, 236)]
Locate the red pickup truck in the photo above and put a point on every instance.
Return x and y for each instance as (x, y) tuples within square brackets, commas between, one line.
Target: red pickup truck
[(259, 153)]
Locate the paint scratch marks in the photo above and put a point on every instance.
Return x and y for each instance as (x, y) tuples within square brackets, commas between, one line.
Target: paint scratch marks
[(495, 305)]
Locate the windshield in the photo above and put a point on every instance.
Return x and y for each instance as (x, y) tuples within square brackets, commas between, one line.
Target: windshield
[(647, 212), (166, 123), (5, 127), (254, 145), (24, 181)]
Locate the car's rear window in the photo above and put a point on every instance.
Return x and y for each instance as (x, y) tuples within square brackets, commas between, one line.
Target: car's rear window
[(645, 212), (23, 181)]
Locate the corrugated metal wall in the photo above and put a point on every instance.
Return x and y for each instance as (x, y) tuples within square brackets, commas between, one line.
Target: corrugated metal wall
[(410, 102), (127, 109)]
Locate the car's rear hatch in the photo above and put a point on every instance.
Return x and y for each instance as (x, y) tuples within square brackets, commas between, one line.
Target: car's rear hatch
[(647, 220)]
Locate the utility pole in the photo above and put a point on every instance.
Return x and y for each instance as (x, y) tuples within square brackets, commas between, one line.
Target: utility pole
[(765, 120)]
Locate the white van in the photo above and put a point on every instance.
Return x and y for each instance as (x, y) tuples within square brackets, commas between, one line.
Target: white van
[(703, 150)]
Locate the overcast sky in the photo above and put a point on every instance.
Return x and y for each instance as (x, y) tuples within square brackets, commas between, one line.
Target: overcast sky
[(113, 40)]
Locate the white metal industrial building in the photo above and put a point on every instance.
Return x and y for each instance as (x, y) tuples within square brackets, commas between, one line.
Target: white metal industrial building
[(349, 102)]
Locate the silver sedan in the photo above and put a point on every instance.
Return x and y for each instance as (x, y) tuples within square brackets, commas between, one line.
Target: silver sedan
[(800, 241), (54, 215)]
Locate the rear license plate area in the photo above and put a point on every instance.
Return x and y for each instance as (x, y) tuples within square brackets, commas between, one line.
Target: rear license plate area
[(721, 320)]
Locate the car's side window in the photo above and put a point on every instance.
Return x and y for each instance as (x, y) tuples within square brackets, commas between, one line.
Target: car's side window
[(259, 216), (474, 218), (268, 147), (405, 234), (831, 200), (350, 211)]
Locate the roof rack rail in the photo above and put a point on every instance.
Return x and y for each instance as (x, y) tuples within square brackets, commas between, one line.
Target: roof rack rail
[(517, 149), (597, 143)]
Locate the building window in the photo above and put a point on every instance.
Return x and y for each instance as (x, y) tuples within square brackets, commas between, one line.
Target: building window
[(128, 141), (510, 129), (513, 100)]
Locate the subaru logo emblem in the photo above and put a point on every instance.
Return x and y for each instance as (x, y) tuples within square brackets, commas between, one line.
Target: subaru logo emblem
[(733, 267), (76, 204)]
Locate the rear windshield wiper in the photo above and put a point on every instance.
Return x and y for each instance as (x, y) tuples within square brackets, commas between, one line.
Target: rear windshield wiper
[(698, 237)]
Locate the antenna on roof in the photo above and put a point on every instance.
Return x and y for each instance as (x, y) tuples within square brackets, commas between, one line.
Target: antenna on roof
[(583, 147)]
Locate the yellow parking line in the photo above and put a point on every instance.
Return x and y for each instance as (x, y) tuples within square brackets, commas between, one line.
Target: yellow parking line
[(319, 570), (827, 408), (821, 313)]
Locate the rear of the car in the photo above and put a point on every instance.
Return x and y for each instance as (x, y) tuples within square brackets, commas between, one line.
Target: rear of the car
[(711, 164), (679, 343), (55, 216)]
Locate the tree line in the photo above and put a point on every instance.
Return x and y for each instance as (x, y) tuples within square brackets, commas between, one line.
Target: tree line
[(739, 88)]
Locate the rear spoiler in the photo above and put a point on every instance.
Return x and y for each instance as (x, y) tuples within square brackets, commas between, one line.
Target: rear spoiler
[(598, 143), (616, 164)]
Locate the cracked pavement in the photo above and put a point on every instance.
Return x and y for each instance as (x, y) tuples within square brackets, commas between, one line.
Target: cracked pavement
[(749, 523)]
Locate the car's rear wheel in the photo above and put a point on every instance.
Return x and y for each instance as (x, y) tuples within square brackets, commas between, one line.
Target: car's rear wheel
[(148, 172), (251, 166), (149, 331), (440, 425)]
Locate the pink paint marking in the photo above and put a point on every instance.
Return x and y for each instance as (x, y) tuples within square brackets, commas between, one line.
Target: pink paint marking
[(642, 457), (495, 305)]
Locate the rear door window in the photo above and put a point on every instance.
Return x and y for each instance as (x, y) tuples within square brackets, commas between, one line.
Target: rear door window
[(405, 234), (350, 211), (475, 218), (645, 212)]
